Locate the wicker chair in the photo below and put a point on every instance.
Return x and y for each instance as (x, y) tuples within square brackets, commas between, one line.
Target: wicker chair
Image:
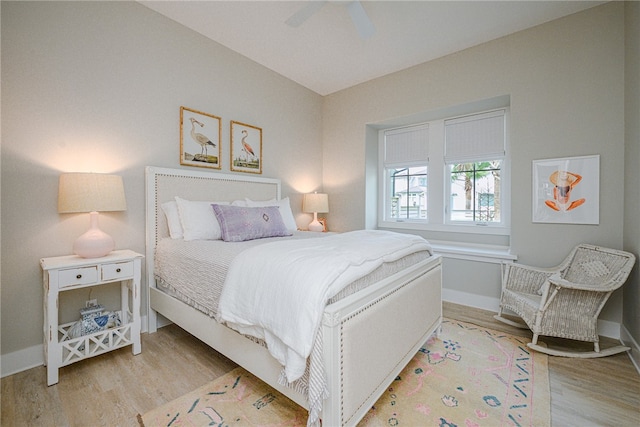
[(565, 301)]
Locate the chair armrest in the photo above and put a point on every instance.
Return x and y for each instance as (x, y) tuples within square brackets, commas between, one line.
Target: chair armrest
[(523, 278), (600, 287)]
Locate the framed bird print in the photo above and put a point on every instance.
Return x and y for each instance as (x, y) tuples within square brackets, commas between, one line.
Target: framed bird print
[(246, 148), (200, 135)]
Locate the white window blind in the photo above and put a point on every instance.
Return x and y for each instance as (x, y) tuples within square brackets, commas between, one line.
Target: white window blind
[(407, 146), (476, 137)]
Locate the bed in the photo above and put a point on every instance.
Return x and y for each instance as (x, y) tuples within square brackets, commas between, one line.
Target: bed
[(367, 335)]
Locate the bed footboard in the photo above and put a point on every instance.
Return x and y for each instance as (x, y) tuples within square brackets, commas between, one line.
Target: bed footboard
[(367, 342), (368, 338)]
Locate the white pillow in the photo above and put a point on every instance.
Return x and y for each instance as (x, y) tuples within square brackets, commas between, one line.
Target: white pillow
[(285, 210), (170, 210), (198, 220), (240, 203)]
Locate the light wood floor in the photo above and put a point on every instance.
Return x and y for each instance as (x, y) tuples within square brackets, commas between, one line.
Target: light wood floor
[(110, 390)]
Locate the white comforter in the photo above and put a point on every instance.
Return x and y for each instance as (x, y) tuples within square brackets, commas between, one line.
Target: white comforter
[(278, 291)]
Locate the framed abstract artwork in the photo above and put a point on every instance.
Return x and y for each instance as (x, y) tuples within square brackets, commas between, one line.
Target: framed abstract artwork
[(567, 190), (200, 135), (246, 148)]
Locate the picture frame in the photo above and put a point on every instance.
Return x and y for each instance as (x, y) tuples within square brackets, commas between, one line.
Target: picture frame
[(246, 148), (200, 136), (323, 221), (567, 190)]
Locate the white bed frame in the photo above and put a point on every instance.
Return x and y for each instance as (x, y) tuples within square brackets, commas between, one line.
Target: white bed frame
[(368, 337)]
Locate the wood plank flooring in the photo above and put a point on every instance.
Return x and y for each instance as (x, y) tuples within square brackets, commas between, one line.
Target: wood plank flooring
[(110, 390)]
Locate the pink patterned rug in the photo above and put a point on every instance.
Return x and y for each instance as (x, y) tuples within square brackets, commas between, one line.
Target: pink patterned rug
[(469, 376)]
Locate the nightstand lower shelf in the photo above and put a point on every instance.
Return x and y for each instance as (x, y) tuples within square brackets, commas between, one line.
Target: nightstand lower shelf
[(75, 349)]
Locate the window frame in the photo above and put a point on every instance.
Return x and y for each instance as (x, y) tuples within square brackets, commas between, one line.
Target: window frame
[(439, 184)]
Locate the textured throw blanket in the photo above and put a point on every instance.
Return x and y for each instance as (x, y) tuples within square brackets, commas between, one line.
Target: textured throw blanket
[(278, 291)]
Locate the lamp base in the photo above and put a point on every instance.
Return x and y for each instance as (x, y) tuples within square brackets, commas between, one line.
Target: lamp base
[(315, 225), (95, 243)]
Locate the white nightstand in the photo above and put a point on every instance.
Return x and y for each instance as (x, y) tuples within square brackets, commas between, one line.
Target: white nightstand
[(72, 272)]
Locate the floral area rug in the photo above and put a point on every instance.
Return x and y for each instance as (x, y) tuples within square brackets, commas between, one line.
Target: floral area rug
[(468, 376)]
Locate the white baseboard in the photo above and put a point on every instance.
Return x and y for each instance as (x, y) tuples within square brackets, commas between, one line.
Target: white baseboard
[(163, 321), (634, 354), (470, 300), (21, 360)]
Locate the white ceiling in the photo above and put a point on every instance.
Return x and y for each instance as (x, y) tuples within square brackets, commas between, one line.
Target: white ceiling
[(326, 54)]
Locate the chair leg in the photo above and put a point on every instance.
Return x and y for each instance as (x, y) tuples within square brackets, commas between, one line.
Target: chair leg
[(510, 322), (534, 340), (596, 347)]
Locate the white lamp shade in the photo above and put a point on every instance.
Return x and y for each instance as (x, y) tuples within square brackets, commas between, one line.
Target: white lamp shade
[(91, 192), (315, 202)]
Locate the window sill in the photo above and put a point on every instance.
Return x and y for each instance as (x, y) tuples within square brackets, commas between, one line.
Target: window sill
[(461, 228), (473, 252)]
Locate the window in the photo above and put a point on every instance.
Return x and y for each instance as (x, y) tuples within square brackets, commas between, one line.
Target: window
[(473, 191), (474, 153), (405, 158), (408, 193), (448, 174)]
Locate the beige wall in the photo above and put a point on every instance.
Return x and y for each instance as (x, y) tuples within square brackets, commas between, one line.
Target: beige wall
[(566, 84), (97, 86), (631, 307)]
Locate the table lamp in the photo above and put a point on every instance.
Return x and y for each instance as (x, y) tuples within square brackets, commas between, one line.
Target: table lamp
[(314, 203), (93, 193)]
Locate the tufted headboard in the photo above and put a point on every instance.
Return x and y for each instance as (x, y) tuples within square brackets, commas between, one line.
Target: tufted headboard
[(163, 184)]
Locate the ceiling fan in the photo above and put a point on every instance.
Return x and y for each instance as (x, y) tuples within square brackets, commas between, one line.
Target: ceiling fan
[(356, 11)]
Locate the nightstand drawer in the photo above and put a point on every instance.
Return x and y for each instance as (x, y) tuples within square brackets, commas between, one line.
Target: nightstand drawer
[(77, 276), (117, 270)]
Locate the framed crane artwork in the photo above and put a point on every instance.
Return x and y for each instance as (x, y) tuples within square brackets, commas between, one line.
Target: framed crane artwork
[(200, 135), (246, 148)]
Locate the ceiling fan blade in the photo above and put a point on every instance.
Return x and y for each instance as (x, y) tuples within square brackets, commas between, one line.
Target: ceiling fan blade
[(305, 13), (361, 19)]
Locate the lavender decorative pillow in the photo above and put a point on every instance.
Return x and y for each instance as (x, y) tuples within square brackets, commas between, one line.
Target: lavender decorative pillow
[(285, 210), (239, 223)]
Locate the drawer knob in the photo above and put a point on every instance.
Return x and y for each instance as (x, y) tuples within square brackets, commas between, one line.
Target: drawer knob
[(118, 270), (79, 276)]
